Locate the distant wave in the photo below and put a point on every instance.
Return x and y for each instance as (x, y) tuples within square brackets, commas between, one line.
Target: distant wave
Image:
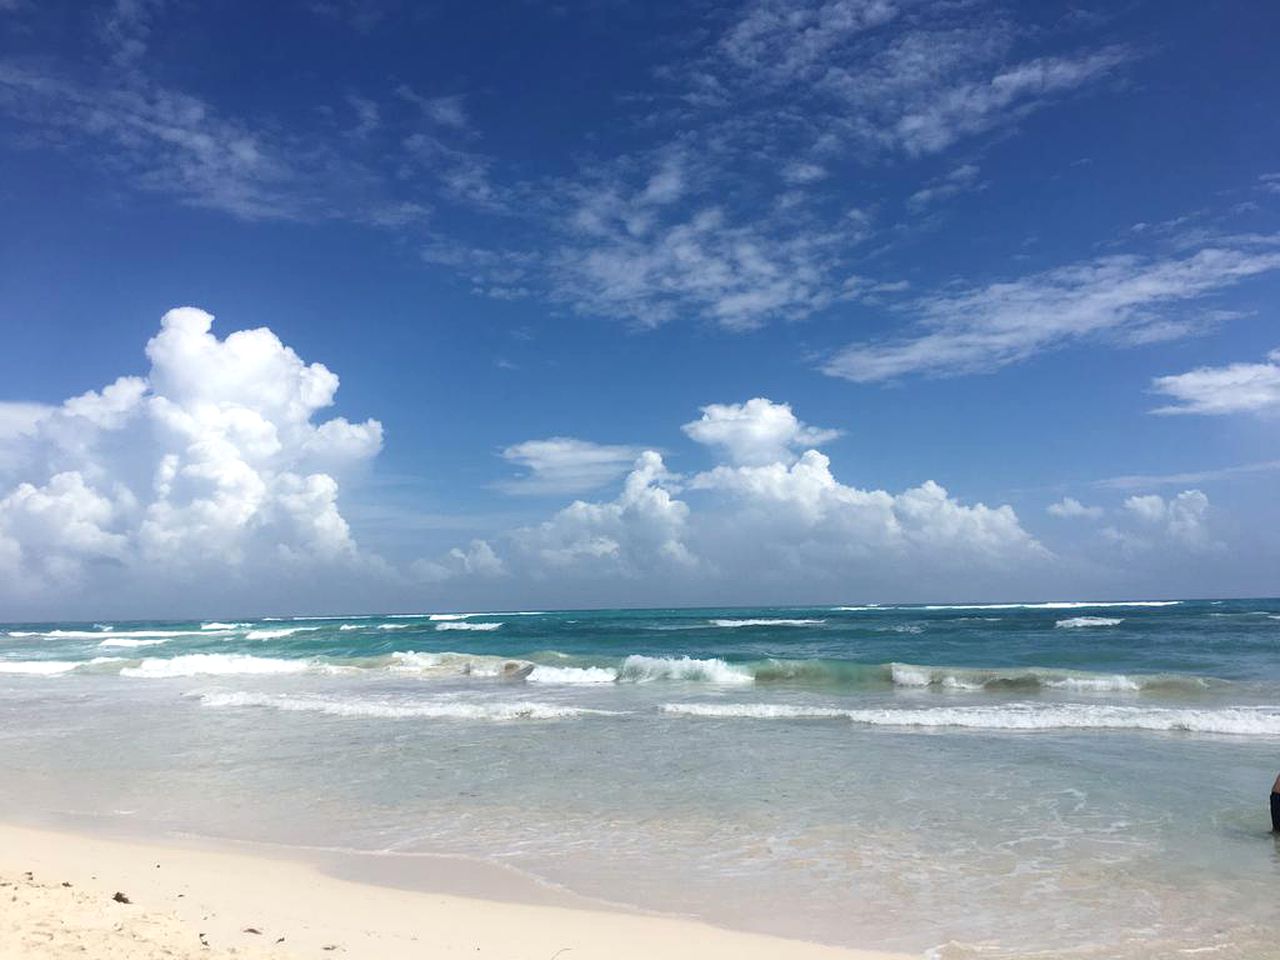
[(123, 641), (457, 625), (437, 710), (766, 622), (100, 634), (1052, 605), (1242, 721), (389, 626), (1090, 622), (218, 625), (276, 633)]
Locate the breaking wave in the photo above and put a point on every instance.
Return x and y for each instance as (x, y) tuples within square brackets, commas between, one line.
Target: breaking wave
[(1090, 622), (463, 625), (543, 674), (979, 678), (642, 669)]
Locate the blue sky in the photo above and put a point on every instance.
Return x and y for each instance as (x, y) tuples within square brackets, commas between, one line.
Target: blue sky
[(1027, 254)]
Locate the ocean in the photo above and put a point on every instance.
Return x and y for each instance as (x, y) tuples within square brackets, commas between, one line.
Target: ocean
[(1078, 780)]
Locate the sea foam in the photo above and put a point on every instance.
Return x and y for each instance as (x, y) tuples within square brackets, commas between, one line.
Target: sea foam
[(1240, 721), (1071, 622), (434, 710), (215, 664)]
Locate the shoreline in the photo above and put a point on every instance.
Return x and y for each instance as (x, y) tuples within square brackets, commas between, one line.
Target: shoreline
[(201, 898)]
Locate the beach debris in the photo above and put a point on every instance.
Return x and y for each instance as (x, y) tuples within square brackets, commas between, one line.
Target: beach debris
[(279, 939), (29, 875), (66, 883), (252, 930), (204, 941), (119, 897)]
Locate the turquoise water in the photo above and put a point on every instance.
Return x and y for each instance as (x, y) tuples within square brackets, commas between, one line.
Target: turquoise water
[(1080, 780)]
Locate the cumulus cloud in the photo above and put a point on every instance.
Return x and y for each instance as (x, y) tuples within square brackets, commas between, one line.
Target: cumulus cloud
[(1233, 388), (566, 465), (477, 560), (214, 461), (805, 517), (771, 511), (641, 531), (1071, 507), (1123, 298), (1181, 521), (756, 432)]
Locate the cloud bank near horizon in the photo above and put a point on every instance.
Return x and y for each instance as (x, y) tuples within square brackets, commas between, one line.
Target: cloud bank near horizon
[(214, 477)]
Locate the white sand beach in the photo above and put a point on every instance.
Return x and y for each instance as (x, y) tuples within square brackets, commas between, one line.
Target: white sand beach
[(58, 900)]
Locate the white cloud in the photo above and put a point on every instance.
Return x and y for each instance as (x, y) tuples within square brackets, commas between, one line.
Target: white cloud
[(963, 178), (1071, 507), (477, 560), (21, 419), (756, 432), (566, 465), (1234, 388), (211, 464), (1181, 521), (1140, 480), (806, 518), (985, 328), (974, 106), (642, 531), (767, 515), (1149, 507)]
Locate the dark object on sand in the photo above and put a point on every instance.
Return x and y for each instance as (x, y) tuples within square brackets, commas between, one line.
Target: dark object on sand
[(1275, 806), (121, 898), (252, 930)]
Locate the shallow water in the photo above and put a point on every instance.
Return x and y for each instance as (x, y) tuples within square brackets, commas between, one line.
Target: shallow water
[(1088, 780)]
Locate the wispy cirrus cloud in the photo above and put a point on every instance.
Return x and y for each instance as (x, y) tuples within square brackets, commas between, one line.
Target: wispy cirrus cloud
[(1140, 481), (1128, 299)]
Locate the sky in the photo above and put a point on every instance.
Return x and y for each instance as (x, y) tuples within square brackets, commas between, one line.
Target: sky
[(368, 305)]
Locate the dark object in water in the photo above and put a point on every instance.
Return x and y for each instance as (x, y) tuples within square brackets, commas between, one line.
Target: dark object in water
[(1275, 812), (121, 898)]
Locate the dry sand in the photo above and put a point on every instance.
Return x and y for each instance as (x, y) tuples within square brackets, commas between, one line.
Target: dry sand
[(195, 902)]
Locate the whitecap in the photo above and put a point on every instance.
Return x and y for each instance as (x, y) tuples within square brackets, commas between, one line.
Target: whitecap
[(456, 625), (1074, 622), (766, 622), (276, 633)]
